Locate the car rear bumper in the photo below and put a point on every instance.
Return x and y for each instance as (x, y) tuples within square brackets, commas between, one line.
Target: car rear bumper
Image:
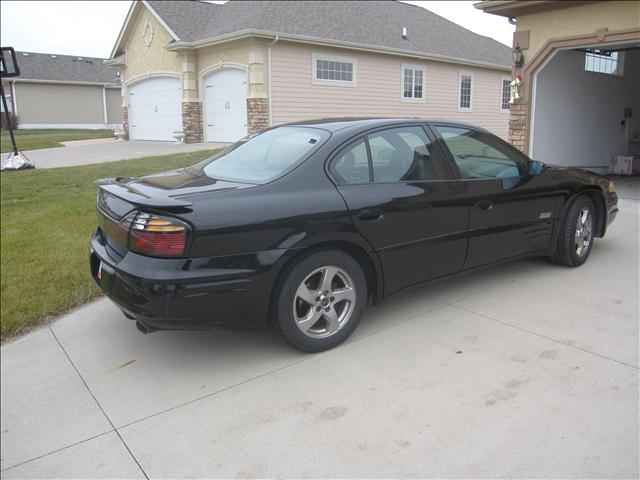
[(178, 294)]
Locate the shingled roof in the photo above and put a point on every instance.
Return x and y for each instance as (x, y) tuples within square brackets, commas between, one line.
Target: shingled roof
[(365, 23), (64, 68)]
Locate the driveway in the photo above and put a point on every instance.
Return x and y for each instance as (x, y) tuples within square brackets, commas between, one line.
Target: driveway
[(84, 153), (524, 370)]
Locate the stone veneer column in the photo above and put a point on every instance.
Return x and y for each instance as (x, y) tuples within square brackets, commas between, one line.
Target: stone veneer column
[(125, 122), (192, 122), (518, 125), (257, 114)]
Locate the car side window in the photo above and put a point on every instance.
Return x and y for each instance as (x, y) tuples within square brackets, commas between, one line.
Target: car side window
[(351, 165), (405, 154), (479, 155)]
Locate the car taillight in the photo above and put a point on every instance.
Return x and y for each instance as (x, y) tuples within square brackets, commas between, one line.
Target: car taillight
[(156, 235)]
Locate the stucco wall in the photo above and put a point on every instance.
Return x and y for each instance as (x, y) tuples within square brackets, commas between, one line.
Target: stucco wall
[(251, 53), (378, 92), (40, 103), (143, 59), (577, 20)]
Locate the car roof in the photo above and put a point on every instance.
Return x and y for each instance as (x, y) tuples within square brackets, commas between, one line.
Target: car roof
[(366, 123)]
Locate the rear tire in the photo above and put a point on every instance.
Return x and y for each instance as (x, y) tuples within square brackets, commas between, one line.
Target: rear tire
[(319, 300), (576, 235)]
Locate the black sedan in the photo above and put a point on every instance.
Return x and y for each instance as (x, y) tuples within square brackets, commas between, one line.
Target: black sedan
[(303, 225)]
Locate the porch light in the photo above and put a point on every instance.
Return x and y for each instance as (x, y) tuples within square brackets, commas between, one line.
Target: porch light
[(518, 59)]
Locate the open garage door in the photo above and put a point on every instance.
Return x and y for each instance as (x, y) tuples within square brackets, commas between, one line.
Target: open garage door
[(586, 107), (225, 96), (155, 109)]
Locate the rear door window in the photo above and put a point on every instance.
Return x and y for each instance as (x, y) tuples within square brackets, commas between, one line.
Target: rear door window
[(406, 154)]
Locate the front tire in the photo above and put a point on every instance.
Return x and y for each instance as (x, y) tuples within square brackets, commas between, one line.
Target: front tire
[(575, 239), (319, 300)]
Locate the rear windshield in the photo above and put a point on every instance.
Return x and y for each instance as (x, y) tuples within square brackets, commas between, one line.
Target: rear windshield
[(262, 157)]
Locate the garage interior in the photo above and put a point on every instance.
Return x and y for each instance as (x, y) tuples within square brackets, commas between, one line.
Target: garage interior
[(586, 107)]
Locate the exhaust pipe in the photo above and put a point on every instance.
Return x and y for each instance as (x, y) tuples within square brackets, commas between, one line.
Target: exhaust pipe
[(144, 329)]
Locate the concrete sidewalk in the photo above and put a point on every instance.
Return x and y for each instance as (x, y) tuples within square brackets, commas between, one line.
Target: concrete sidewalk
[(83, 154), (525, 370)]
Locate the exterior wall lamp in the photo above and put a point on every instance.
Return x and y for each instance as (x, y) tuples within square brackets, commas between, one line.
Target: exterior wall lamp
[(518, 58)]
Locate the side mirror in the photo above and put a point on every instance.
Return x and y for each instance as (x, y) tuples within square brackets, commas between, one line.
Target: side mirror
[(535, 168)]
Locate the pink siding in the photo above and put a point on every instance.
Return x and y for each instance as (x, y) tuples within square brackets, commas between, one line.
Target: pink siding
[(294, 97)]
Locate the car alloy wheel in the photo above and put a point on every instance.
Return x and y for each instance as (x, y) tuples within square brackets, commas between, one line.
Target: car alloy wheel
[(324, 302), (584, 231)]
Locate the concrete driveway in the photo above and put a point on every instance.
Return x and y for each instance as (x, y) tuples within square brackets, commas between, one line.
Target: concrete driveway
[(524, 370), (83, 153)]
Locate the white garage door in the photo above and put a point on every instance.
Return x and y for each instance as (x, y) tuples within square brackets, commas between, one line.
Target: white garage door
[(226, 105), (155, 109)]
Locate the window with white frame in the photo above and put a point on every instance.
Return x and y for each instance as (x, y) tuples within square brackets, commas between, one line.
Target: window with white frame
[(505, 94), (333, 69), (609, 63), (464, 102), (412, 83)]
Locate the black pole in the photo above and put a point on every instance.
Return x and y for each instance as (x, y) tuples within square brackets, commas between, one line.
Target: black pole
[(8, 118)]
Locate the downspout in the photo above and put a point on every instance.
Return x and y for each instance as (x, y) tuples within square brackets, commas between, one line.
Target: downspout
[(273, 42)]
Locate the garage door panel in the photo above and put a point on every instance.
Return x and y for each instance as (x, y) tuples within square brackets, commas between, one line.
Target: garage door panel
[(226, 105), (155, 109)]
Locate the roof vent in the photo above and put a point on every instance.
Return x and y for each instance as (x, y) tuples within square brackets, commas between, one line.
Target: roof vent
[(25, 54), (404, 32), (80, 58), (53, 56)]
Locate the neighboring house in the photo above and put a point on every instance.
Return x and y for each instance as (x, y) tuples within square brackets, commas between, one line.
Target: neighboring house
[(580, 90), (63, 91), (220, 71)]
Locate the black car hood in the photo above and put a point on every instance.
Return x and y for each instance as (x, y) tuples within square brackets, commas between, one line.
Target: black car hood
[(166, 189)]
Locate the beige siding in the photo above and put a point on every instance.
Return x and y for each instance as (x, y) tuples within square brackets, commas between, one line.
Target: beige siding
[(114, 105), (59, 104), (295, 97)]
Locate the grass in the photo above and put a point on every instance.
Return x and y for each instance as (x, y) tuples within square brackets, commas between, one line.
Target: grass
[(48, 138), (48, 217)]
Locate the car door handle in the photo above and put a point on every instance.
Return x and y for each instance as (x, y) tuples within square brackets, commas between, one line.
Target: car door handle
[(484, 205), (371, 215)]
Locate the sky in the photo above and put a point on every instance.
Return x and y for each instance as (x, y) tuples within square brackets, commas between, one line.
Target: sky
[(90, 28)]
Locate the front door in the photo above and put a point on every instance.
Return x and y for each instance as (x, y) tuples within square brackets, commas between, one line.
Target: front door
[(403, 198), (511, 213), (225, 96)]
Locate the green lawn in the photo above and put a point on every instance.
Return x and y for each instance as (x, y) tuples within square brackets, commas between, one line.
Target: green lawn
[(47, 138), (48, 217)]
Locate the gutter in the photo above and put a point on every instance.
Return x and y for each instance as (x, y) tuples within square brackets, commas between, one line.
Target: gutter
[(67, 82), (180, 45), (269, 45)]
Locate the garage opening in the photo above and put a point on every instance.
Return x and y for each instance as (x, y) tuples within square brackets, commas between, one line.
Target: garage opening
[(586, 107)]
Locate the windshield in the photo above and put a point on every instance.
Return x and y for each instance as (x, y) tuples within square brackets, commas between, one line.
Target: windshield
[(262, 157)]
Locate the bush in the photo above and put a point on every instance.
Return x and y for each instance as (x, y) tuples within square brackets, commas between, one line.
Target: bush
[(12, 118)]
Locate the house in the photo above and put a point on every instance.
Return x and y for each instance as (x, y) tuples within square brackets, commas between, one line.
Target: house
[(62, 91), (579, 79), (220, 71)]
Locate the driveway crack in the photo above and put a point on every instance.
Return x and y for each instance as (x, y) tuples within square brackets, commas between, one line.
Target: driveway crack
[(99, 406)]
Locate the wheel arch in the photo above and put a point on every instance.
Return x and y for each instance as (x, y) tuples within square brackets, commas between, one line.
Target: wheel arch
[(597, 197), (368, 262)]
